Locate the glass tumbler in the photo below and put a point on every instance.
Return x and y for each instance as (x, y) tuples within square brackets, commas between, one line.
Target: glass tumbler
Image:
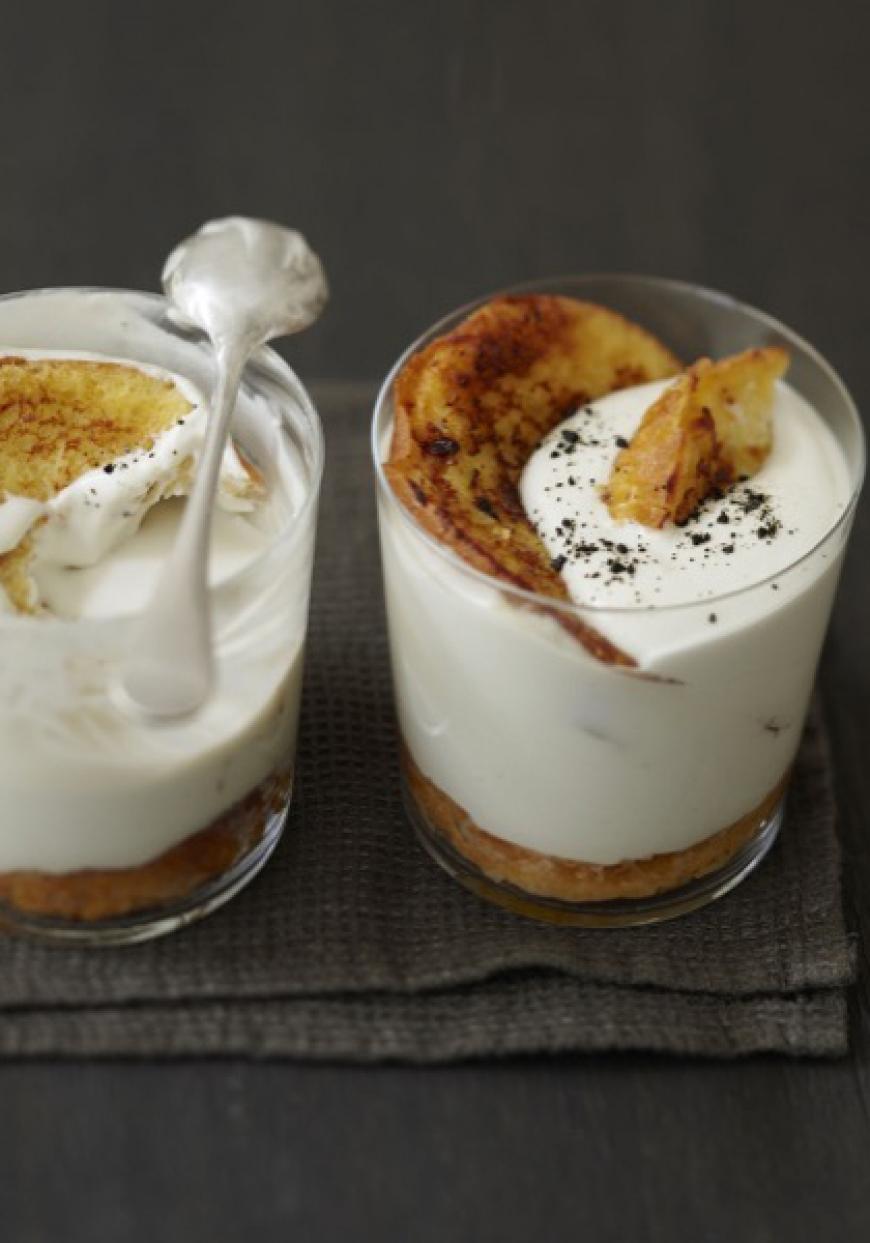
[(587, 793), (116, 828)]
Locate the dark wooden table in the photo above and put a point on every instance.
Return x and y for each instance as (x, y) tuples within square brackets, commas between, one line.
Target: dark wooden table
[(431, 153)]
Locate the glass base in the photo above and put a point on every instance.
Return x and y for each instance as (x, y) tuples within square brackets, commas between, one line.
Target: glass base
[(151, 922), (620, 913)]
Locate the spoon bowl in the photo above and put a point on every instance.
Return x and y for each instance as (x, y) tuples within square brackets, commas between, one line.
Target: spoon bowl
[(239, 275)]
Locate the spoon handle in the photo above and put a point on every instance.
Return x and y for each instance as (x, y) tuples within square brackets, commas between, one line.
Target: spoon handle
[(170, 669)]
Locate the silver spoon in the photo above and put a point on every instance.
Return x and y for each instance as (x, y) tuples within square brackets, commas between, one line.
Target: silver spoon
[(242, 282)]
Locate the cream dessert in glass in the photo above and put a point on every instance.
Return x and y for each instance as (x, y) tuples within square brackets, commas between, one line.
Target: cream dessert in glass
[(599, 714), (118, 827)]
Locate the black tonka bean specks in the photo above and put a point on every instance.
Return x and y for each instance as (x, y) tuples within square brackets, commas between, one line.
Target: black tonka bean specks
[(587, 435), (725, 524)]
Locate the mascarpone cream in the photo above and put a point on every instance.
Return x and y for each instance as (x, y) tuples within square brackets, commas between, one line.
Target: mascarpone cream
[(750, 534)]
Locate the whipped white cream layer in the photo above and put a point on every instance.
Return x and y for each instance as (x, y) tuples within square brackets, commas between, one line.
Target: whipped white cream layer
[(553, 750), (755, 531), (122, 581)]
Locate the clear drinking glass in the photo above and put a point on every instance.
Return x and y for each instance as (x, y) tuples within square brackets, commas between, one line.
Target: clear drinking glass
[(533, 772), (116, 828)]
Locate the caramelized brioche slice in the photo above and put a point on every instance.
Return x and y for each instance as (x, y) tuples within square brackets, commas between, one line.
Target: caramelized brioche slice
[(665, 472), (710, 428), (739, 391), (15, 581), (61, 417), (472, 406)]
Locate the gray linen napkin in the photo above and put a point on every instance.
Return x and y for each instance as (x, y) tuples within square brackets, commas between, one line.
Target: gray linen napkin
[(353, 945)]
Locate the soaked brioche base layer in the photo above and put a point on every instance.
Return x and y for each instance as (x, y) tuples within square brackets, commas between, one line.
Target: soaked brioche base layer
[(567, 880), (97, 894)]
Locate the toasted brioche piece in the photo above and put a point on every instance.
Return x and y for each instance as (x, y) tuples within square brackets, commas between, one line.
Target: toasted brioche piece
[(739, 391), (15, 580), (63, 417), (472, 406), (710, 428), (60, 417)]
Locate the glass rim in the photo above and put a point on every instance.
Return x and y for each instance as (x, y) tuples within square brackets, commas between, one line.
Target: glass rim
[(279, 369), (571, 607)]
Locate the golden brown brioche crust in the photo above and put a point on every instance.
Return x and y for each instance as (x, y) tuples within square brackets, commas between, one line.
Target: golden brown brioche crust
[(471, 407), (708, 429), (60, 417)]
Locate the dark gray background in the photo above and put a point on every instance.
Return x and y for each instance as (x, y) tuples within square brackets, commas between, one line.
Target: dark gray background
[(432, 152)]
